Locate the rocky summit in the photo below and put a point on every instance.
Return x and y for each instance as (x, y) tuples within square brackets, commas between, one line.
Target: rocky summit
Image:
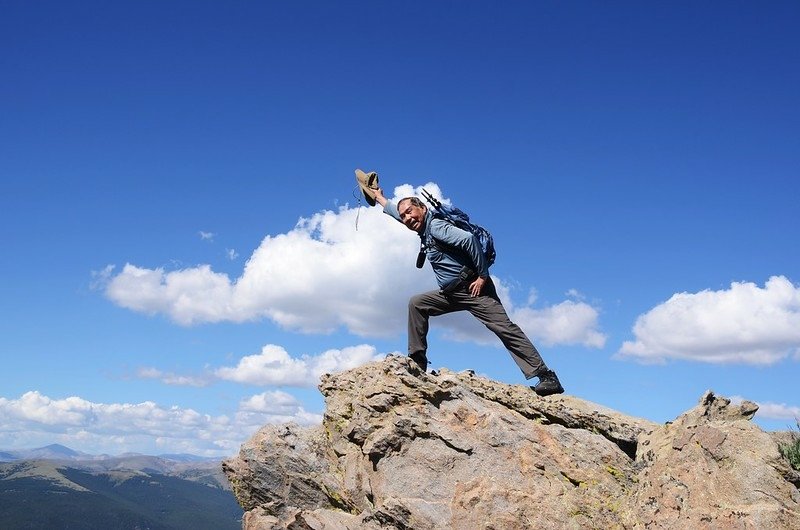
[(402, 449)]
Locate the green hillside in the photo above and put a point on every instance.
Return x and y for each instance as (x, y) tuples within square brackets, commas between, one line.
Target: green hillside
[(132, 500)]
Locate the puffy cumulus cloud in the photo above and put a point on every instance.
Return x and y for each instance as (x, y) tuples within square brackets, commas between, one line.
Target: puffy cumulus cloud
[(274, 402), (40, 409), (188, 295), (744, 324), (278, 406), (349, 268), (142, 427), (568, 322), (274, 366)]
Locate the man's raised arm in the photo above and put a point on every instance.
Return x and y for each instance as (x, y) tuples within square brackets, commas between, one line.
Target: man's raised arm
[(379, 198), (389, 208)]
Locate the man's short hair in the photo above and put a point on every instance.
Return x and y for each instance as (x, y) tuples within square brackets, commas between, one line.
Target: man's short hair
[(416, 201)]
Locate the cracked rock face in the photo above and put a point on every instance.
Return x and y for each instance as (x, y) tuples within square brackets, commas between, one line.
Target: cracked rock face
[(402, 449)]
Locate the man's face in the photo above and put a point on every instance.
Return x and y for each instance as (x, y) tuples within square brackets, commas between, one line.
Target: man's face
[(412, 216)]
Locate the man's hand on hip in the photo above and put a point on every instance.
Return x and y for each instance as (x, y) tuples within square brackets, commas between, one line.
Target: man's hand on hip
[(476, 286)]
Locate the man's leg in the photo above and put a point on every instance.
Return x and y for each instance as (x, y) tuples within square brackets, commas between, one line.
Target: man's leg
[(420, 308), (490, 311)]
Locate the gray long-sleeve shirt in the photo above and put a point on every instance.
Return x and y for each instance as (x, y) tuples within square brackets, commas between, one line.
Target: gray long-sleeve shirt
[(448, 248)]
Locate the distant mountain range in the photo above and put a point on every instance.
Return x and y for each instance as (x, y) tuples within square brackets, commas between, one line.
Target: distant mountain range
[(60, 452), (57, 487), (54, 451)]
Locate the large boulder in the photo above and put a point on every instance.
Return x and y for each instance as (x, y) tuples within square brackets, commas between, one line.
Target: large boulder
[(711, 468), (402, 449)]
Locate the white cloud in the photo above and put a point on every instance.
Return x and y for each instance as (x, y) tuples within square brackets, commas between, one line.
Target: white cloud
[(101, 278), (231, 253), (778, 411), (323, 275), (773, 411), (174, 379), (574, 293), (143, 427), (274, 366), (206, 236), (188, 295), (279, 407), (744, 324), (567, 322)]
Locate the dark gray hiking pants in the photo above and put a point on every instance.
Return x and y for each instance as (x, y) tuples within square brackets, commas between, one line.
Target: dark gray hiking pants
[(486, 308)]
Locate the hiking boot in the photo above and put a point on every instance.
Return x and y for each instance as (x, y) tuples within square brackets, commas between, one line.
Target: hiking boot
[(548, 384), (421, 360)]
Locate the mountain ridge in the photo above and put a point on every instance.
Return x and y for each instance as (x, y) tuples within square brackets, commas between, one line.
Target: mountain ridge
[(123, 494), (63, 453)]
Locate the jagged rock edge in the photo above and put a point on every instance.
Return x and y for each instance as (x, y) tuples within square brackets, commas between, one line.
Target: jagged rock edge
[(626, 446)]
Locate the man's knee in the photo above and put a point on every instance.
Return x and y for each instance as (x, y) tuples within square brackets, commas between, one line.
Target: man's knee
[(415, 302)]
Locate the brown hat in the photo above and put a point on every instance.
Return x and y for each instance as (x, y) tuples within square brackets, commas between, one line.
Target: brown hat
[(368, 182)]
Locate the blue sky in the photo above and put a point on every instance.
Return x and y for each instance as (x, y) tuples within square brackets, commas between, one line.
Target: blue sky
[(184, 252)]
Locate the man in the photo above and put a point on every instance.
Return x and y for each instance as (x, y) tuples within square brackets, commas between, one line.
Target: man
[(461, 270)]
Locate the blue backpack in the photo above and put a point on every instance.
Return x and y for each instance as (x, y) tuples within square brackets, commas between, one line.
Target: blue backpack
[(458, 218)]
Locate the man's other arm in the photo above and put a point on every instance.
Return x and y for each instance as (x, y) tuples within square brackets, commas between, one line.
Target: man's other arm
[(456, 237)]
